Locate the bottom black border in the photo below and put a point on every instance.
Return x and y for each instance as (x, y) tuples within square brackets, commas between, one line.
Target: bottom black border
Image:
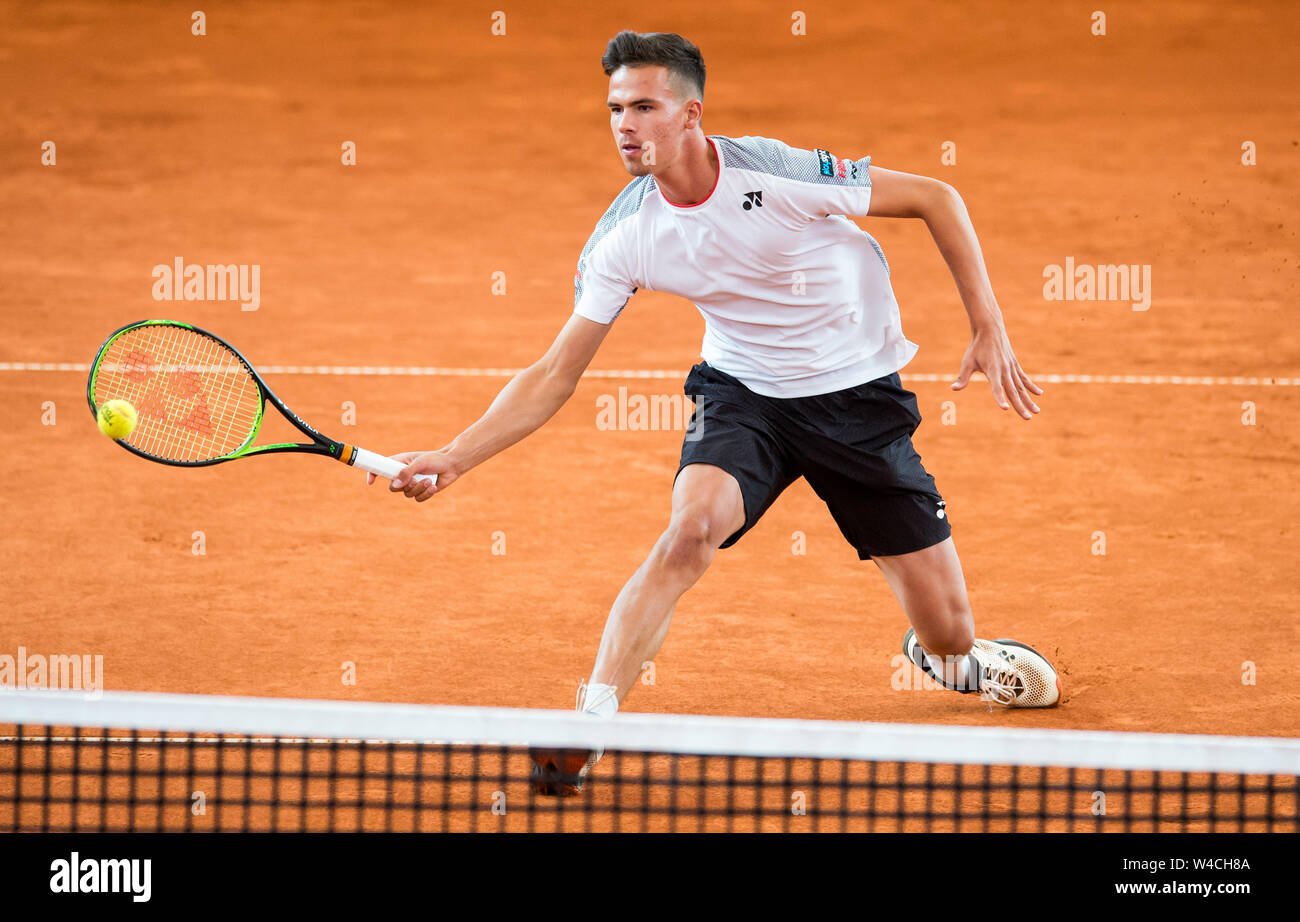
[(302, 870)]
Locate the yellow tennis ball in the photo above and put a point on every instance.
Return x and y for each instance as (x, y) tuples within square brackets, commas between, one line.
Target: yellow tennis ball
[(117, 419)]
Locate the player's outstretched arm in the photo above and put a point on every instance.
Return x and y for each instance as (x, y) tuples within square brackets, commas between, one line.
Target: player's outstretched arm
[(531, 398), (905, 195)]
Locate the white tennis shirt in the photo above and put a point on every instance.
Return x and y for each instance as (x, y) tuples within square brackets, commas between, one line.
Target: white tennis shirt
[(796, 297)]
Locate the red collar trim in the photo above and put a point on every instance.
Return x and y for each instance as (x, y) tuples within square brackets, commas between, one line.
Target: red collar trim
[(714, 186)]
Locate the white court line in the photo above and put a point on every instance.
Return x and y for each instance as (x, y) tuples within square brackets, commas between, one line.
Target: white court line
[(678, 374)]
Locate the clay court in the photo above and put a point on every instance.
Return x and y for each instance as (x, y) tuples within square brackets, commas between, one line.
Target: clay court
[(479, 154)]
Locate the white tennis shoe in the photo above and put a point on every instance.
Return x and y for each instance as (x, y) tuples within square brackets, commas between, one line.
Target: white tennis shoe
[(1015, 675), (1010, 673)]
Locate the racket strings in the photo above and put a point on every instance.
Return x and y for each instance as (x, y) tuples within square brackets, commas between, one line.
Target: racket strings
[(228, 396), (194, 398)]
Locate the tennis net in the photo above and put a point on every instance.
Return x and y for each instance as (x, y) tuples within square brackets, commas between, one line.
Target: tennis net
[(128, 761)]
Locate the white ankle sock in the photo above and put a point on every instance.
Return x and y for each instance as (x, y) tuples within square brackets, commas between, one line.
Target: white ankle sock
[(955, 670), (599, 700)]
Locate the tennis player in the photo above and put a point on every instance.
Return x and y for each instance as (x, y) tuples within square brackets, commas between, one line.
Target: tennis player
[(802, 348)]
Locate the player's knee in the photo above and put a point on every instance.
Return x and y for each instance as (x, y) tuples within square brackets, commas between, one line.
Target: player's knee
[(687, 544)]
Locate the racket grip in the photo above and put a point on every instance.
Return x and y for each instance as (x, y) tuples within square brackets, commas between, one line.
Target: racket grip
[(384, 466)]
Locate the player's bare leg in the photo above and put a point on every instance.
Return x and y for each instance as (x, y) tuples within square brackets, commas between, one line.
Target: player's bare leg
[(932, 590), (930, 586), (707, 509)]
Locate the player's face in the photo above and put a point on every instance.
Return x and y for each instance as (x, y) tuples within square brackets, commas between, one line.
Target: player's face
[(648, 118)]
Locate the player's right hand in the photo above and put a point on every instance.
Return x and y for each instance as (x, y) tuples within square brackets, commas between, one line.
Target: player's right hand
[(421, 462)]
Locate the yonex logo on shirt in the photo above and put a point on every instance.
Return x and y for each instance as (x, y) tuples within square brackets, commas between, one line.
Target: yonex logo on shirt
[(752, 199)]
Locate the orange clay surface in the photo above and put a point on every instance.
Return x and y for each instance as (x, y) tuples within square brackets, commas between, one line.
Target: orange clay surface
[(479, 154)]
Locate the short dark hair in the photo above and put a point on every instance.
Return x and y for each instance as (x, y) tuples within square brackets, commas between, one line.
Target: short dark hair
[(667, 49)]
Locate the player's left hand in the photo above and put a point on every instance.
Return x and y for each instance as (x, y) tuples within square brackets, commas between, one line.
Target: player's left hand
[(990, 352)]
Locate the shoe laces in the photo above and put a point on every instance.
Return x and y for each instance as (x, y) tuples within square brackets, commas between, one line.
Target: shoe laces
[(1000, 681)]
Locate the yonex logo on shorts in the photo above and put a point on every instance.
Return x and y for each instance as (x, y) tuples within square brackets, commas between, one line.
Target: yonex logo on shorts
[(942, 513)]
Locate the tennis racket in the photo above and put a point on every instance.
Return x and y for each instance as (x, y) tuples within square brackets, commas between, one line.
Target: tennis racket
[(199, 401)]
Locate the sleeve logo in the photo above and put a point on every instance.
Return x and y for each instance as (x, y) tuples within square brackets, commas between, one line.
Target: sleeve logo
[(827, 162), (834, 166)]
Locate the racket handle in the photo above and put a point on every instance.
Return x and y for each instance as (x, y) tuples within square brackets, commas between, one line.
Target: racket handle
[(384, 466)]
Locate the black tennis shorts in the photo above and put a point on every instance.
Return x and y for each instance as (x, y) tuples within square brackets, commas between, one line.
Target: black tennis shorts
[(853, 446)]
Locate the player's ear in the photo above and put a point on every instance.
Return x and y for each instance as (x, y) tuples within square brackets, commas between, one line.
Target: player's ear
[(694, 112)]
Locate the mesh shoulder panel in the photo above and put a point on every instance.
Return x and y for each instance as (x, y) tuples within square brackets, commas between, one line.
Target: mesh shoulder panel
[(627, 203), (776, 158)]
